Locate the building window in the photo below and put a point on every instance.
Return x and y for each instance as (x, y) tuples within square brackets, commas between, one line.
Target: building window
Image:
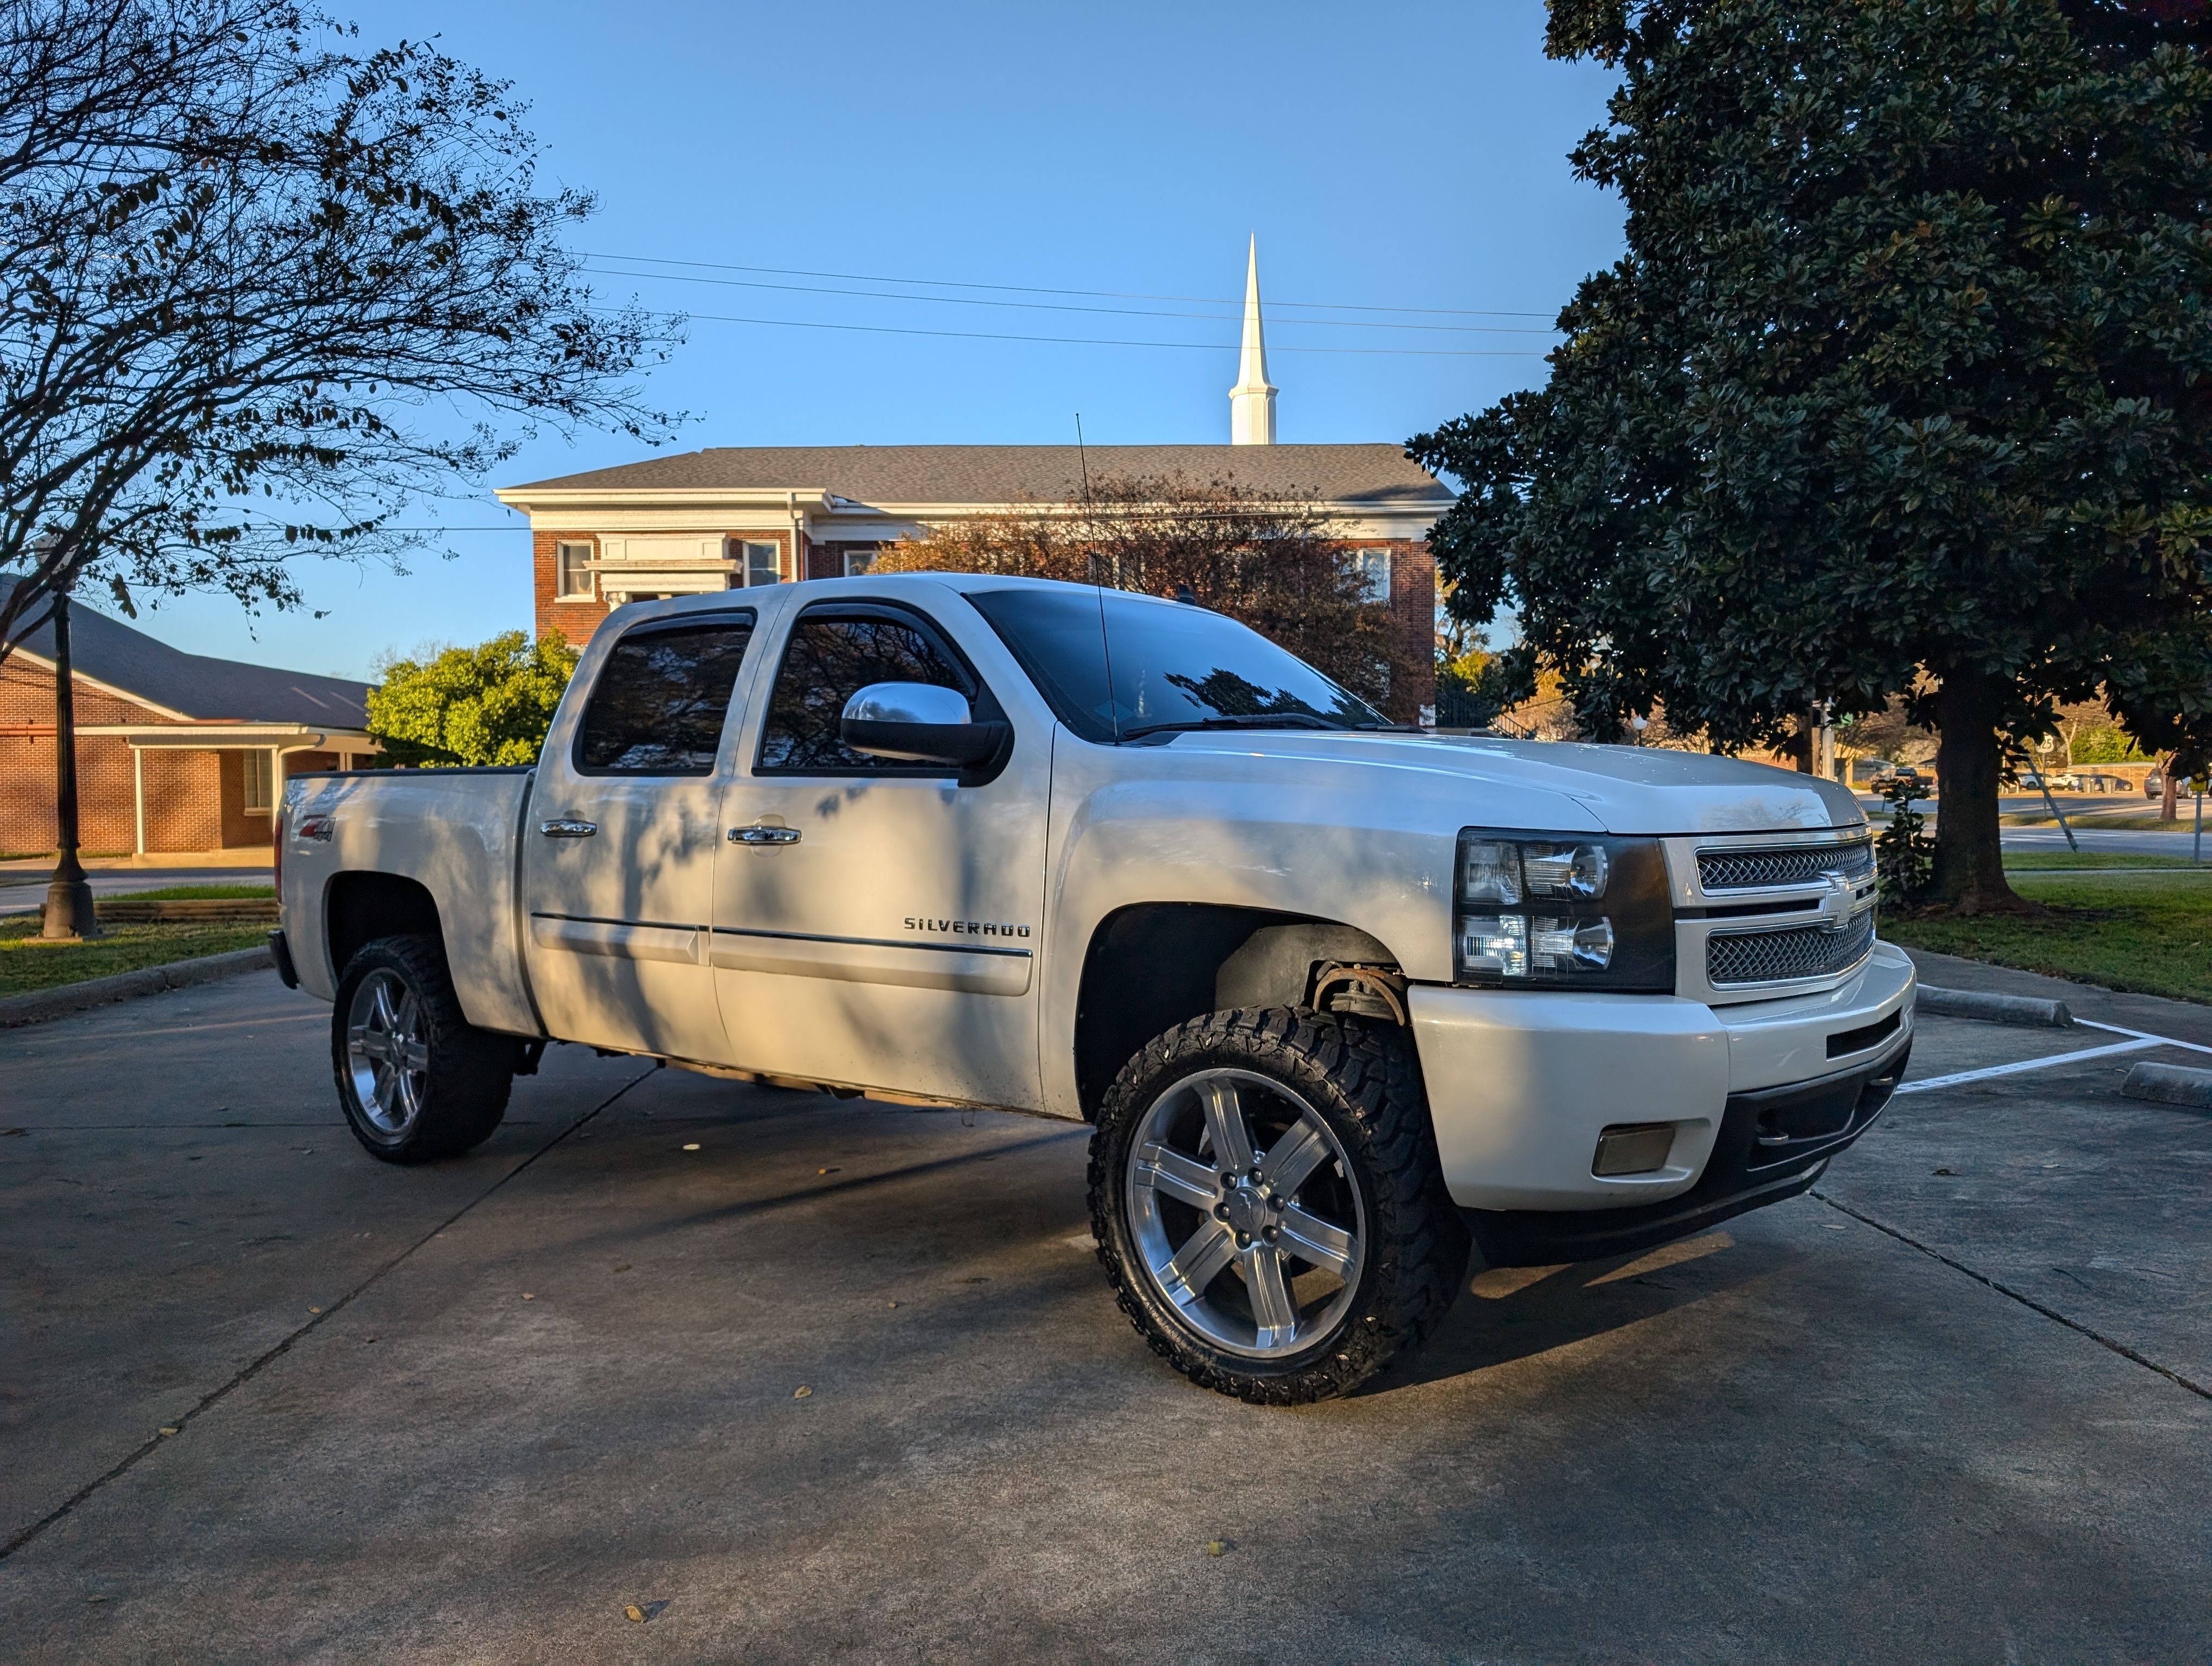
[(760, 563), (858, 561), (1373, 567), (260, 782), (572, 572)]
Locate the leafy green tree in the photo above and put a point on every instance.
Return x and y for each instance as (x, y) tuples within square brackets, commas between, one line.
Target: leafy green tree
[(260, 288), (1904, 385), (487, 704)]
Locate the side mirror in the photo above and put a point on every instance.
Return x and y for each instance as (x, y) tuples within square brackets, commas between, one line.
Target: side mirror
[(917, 723)]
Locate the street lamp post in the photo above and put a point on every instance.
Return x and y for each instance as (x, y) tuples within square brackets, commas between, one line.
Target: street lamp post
[(69, 899)]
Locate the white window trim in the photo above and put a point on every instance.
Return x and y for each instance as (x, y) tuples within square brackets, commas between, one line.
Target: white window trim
[(745, 547), (564, 573)]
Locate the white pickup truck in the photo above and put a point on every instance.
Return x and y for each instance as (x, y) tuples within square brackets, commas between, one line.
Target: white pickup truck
[(1338, 997)]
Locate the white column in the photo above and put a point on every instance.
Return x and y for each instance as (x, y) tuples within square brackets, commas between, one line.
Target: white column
[(138, 792)]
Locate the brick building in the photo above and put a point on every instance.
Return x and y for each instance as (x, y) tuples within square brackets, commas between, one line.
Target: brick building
[(177, 753), (732, 517)]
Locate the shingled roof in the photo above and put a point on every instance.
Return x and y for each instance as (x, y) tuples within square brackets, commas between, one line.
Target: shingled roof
[(225, 690), (1377, 475)]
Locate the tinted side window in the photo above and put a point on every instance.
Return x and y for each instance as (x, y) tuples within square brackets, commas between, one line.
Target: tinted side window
[(659, 706), (831, 657)]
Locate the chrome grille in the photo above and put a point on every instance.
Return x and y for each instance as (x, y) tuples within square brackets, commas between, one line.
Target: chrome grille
[(1792, 865), (1778, 956)]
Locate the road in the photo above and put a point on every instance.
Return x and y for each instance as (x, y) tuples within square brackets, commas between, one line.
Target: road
[(476, 1411), (23, 890)]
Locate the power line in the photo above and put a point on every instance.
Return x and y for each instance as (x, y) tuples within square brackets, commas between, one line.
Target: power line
[(1110, 341), (1062, 307), (1031, 290)]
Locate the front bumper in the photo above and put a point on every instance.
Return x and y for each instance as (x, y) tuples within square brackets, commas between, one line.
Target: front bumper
[(1760, 1095)]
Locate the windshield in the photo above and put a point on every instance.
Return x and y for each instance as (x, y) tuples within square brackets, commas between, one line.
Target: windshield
[(1117, 667)]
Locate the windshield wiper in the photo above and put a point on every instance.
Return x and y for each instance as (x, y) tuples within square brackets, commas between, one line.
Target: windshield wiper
[(1240, 720)]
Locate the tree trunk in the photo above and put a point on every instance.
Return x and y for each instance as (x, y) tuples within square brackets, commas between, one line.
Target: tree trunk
[(2170, 805), (1969, 858)]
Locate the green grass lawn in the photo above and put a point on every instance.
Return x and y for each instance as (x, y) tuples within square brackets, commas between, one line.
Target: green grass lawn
[(2027, 861), (195, 893), (28, 963), (2148, 932)]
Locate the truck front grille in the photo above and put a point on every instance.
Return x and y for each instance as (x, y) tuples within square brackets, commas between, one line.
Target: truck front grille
[(1791, 865), (1778, 957)]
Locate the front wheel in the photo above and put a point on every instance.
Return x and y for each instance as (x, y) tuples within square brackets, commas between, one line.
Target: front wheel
[(415, 1078), (1265, 1193)]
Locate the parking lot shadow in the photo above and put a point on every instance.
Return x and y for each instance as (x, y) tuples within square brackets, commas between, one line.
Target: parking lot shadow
[(1506, 1314)]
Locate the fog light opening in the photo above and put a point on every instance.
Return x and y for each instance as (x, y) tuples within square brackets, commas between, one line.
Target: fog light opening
[(1632, 1148)]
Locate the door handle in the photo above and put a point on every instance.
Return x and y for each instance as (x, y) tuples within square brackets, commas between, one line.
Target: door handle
[(757, 835), (563, 830)]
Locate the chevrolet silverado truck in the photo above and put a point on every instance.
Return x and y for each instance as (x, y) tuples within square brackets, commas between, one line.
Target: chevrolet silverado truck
[(1340, 1000)]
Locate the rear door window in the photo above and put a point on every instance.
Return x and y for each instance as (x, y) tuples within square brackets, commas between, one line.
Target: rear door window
[(834, 652), (661, 697)]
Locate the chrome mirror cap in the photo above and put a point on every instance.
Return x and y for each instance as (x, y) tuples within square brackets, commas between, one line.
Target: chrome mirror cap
[(907, 702)]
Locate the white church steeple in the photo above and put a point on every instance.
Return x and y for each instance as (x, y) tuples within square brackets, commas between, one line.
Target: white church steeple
[(1252, 401)]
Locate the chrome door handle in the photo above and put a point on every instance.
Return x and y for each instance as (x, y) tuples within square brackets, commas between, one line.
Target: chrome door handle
[(759, 835), (567, 829)]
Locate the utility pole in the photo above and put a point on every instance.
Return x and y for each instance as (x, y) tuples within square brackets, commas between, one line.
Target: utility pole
[(69, 899)]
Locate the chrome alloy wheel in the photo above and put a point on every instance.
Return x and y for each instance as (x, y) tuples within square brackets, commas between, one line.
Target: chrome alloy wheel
[(387, 1058), (1244, 1212)]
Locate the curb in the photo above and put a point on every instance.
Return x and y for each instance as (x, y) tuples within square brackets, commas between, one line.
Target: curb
[(1993, 1009), (43, 1004), (2170, 1085)]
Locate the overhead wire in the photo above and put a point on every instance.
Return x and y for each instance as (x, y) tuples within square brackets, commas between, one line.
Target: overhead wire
[(1025, 288), (1111, 341), (1065, 306)]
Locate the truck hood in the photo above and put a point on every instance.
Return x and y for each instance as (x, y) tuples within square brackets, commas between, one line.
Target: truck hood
[(1627, 789)]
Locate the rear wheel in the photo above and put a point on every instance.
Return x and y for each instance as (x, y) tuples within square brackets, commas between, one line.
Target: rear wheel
[(1265, 1193), (415, 1078)]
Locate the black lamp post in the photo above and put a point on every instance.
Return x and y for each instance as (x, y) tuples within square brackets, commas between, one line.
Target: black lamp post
[(69, 899)]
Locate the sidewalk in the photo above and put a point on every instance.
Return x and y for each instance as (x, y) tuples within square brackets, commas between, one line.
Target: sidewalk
[(2184, 1020)]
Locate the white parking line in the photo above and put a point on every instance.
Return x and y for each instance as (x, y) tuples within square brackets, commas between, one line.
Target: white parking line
[(2121, 1030), (2037, 1064)]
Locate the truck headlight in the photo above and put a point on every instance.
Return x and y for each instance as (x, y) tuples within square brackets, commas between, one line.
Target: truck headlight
[(1573, 910)]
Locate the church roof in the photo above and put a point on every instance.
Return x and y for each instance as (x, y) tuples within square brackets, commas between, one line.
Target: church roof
[(227, 690), (1377, 475)]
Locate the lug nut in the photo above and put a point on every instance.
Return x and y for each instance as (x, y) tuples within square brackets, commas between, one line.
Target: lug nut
[(1221, 1211), (1243, 1240), (1268, 1233)]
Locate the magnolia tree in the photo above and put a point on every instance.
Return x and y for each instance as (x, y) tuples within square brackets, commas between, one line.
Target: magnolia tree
[(492, 703), (1266, 560), (1902, 388), (262, 287)]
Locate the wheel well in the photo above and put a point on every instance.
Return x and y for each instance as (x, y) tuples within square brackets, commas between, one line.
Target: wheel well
[(1150, 966), (360, 908)]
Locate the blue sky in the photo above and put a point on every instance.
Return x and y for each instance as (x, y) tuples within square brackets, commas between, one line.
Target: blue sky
[(1412, 157)]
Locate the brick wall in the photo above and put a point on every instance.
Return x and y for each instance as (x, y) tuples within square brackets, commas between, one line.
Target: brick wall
[(185, 796), (576, 620)]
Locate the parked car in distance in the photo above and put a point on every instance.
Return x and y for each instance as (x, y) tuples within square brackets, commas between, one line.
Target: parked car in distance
[(2154, 785), (2035, 780)]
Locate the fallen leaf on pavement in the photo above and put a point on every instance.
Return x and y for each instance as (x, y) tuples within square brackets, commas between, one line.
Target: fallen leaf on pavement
[(801, 1392), (527, 1296), (694, 1146), (168, 1429), (635, 1613), (1215, 1547)]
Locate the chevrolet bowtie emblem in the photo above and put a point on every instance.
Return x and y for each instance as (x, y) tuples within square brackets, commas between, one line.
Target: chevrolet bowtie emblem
[(1836, 903)]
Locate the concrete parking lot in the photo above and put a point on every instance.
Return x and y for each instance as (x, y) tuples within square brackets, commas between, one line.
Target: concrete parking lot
[(844, 1382)]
